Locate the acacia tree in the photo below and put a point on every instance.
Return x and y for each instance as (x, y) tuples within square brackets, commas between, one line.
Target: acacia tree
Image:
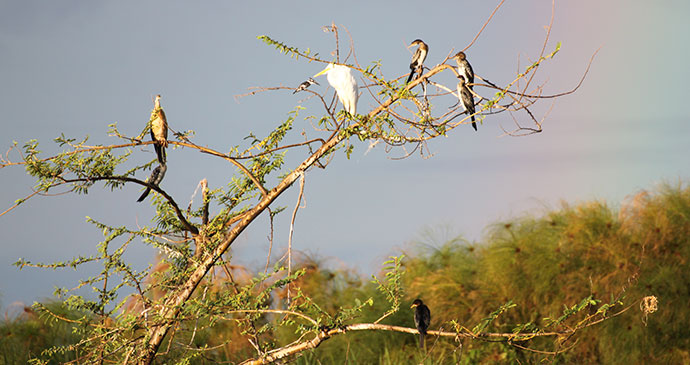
[(193, 286)]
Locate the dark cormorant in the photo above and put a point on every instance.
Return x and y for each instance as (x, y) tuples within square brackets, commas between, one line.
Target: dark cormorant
[(155, 179), (464, 68), (467, 99), (422, 319), (418, 58)]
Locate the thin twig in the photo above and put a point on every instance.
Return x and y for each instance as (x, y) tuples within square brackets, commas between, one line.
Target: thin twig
[(484, 26), (292, 229)]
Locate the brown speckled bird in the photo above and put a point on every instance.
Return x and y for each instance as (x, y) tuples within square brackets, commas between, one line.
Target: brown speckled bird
[(159, 130)]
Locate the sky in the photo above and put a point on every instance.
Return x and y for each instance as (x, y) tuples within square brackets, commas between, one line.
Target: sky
[(74, 67)]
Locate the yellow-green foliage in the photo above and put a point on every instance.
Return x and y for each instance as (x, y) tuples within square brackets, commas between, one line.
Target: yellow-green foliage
[(540, 264), (30, 333)]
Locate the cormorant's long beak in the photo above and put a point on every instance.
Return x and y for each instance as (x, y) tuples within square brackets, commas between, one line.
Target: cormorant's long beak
[(413, 305)]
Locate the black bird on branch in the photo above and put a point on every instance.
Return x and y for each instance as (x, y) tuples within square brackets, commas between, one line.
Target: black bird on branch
[(418, 58), (155, 179), (464, 68), (467, 99), (422, 319), (303, 86)]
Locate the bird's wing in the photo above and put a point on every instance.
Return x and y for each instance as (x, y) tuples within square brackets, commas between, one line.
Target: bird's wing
[(160, 173), (467, 99), (161, 114), (470, 72), (354, 91), (427, 317), (416, 58), (422, 54)]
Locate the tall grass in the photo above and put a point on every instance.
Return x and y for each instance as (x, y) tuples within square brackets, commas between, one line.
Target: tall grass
[(540, 263)]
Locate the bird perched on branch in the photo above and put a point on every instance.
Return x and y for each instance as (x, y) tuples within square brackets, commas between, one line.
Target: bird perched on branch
[(303, 86), (159, 130), (155, 179), (422, 319), (345, 85), (464, 68), (418, 58), (467, 99)]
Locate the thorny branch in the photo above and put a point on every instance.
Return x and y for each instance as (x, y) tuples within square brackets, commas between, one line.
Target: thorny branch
[(325, 334), (185, 223), (414, 126)]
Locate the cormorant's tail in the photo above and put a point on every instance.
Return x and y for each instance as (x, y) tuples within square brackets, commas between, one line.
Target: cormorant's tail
[(144, 195), (421, 340), (411, 75), (474, 125), (160, 152)]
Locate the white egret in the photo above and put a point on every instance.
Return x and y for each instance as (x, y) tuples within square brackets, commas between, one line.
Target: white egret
[(418, 57), (159, 130), (345, 85), (467, 99)]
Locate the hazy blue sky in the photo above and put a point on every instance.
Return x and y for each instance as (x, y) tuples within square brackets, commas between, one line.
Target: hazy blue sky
[(73, 67)]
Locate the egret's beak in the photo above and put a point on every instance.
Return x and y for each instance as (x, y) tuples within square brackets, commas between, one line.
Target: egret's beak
[(322, 72)]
